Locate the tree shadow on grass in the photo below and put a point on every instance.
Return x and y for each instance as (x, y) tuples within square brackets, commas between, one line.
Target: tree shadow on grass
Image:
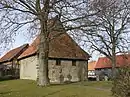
[(7, 92), (7, 78), (54, 92), (62, 84)]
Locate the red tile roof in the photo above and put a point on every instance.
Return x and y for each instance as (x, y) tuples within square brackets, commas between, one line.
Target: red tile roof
[(104, 62), (14, 53), (91, 65), (62, 46)]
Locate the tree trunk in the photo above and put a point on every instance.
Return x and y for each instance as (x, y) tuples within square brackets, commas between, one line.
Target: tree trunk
[(113, 60), (113, 66), (80, 72), (43, 79), (83, 72), (86, 70)]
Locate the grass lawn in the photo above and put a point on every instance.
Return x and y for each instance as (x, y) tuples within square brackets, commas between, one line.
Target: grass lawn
[(27, 88)]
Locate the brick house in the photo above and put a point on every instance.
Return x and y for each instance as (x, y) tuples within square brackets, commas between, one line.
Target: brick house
[(104, 65), (9, 63)]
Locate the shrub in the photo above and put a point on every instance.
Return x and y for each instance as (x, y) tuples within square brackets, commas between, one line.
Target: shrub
[(8, 77), (121, 83)]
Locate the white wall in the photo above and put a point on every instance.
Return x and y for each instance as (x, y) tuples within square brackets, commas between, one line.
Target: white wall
[(28, 68)]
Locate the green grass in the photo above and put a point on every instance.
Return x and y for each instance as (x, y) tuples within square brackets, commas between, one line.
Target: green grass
[(27, 88)]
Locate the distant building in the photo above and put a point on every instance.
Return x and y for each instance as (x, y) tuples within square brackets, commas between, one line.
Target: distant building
[(104, 65), (91, 69), (9, 63)]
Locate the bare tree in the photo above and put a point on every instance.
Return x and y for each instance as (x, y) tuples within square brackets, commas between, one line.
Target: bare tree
[(36, 16), (108, 30)]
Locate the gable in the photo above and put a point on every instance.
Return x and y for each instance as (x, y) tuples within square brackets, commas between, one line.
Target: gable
[(14, 53)]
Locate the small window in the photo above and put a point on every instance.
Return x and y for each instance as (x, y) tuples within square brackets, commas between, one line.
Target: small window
[(73, 63), (58, 62)]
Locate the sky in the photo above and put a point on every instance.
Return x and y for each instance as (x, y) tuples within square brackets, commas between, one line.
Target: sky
[(19, 40), (22, 39)]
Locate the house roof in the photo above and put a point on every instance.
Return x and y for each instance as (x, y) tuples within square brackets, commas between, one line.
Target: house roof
[(63, 46), (14, 53), (91, 65), (104, 62)]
